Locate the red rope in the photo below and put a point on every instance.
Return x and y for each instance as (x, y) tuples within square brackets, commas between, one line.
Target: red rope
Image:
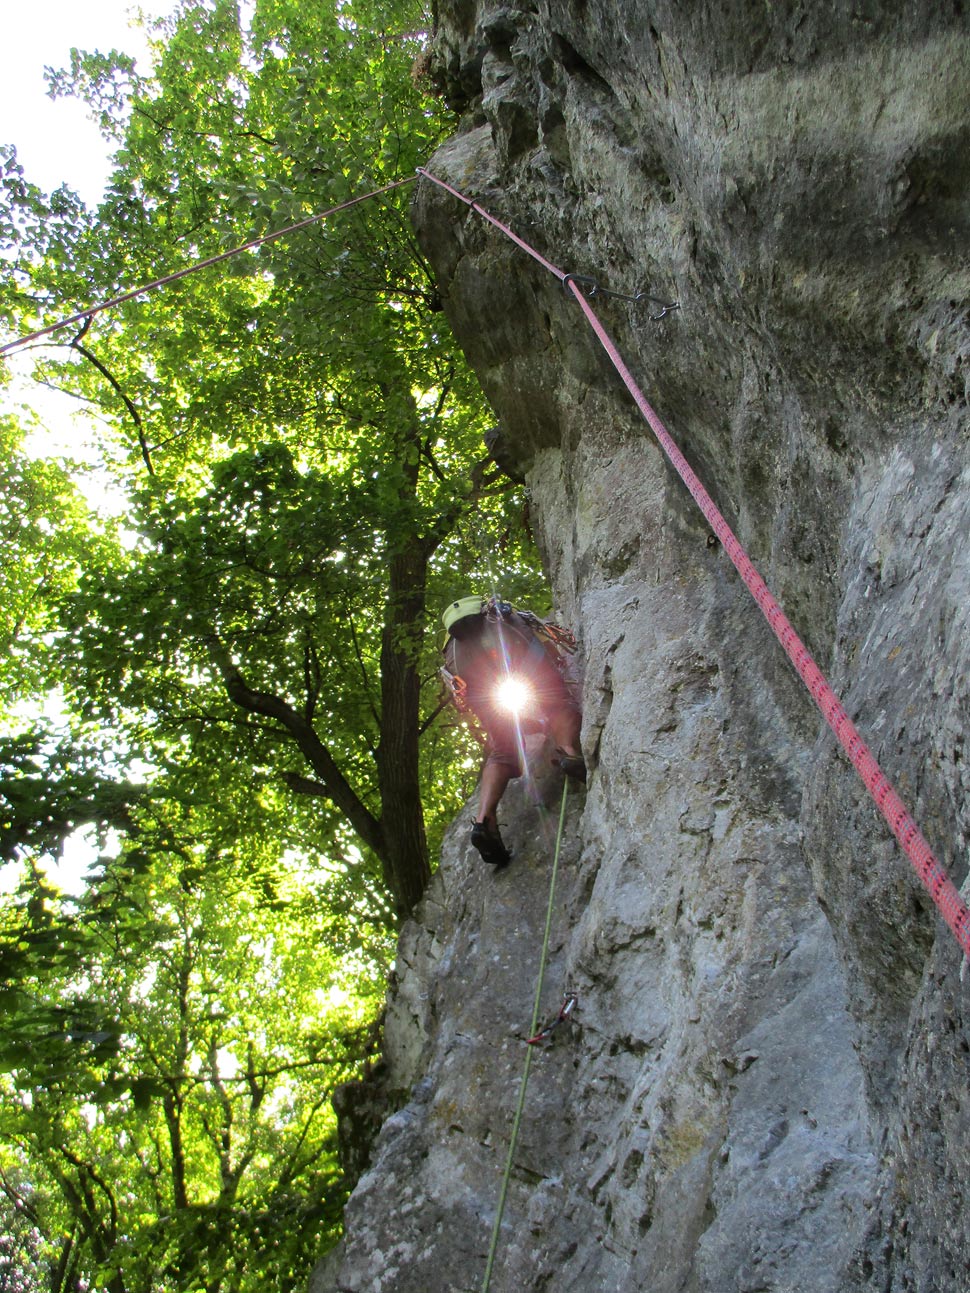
[(932, 874), (202, 264), (519, 242)]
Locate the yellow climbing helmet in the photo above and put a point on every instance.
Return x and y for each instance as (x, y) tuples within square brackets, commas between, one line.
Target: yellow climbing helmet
[(458, 610)]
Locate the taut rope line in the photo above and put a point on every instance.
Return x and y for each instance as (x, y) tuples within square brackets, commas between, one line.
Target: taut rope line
[(930, 871), (523, 1085), (201, 264)]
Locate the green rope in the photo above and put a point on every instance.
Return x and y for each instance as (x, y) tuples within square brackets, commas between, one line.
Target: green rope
[(493, 1249)]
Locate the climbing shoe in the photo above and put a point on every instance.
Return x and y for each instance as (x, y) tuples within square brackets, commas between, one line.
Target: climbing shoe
[(572, 764), (488, 841)]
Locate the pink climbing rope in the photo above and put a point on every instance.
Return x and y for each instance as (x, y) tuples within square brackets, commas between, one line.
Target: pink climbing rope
[(930, 871)]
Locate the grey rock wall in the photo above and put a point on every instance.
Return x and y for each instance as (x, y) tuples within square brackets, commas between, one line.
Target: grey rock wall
[(764, 1086)]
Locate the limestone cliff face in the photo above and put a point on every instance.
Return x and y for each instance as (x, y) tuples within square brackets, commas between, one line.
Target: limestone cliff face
[(765, 1082)]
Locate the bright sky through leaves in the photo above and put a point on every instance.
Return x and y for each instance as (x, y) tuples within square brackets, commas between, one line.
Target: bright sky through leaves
[(55, 141)]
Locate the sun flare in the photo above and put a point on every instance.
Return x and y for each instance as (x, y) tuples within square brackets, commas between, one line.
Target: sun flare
[(513, 695)]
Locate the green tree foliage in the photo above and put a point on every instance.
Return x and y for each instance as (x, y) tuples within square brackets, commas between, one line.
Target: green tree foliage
[(46, 537), (39, 237), (251, 733), (172, 1040), (310, 387)]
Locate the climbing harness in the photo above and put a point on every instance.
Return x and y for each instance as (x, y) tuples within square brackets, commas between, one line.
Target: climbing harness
[(529, 1050), (930, 871), (92, 310), (569, 1003)]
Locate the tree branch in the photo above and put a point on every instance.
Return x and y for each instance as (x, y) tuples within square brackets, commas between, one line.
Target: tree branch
[(433, 715), (86, 1177), (20, 1202), (116, 385), (335, 784)]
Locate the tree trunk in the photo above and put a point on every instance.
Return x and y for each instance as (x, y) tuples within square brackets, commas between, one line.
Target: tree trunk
[(402, 814)]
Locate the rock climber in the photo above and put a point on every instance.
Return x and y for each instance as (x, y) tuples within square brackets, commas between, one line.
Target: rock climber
[(506, 667)]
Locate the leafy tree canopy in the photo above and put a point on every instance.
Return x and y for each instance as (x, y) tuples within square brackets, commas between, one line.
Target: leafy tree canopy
[(171, 1045), (48, 536), (249, 723)]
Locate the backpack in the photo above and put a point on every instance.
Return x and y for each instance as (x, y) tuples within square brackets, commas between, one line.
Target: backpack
[(547, 639)]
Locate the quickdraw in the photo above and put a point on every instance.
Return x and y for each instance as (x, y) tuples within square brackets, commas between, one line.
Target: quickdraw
[(457, 686), (591, 288), (458, 689), (562, 639), (565, 1010)]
